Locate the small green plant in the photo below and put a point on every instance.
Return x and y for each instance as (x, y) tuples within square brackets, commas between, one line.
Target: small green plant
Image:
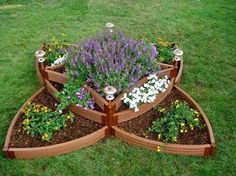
[(56, 48), (75, 93), (165, 50), (40, 120), (179, 119)]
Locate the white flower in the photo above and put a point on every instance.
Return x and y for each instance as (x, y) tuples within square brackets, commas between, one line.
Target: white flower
[(109, 25), (146, 93)]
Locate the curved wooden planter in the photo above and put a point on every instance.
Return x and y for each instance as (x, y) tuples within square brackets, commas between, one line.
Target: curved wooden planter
[(193, 150), (52, 150)]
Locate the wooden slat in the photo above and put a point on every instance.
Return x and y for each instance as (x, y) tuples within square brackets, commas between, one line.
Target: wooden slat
[(56, 77), (59, 149), (193, 150)]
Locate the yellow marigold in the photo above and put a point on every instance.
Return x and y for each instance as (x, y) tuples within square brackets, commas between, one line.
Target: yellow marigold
[(45, 137), (177, 101), (161, 59), (26, 121), (158, 149), (48, 123)]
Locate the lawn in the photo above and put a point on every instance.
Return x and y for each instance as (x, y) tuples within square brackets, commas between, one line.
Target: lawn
[(204, 29)]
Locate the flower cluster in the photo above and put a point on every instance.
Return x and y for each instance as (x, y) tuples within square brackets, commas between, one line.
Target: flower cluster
[(179, 119), (146, 93), (111, 58), (75, 93), (56, 51), (165, 51), (40, 120)]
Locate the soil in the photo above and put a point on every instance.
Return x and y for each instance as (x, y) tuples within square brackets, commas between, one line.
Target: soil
[(139, 126), (79, 128)]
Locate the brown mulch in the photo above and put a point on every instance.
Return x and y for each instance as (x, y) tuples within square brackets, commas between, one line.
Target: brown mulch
[(79, 128), (139, 126)]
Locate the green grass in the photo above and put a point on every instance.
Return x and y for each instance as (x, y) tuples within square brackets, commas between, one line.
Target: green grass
[(204, 29)]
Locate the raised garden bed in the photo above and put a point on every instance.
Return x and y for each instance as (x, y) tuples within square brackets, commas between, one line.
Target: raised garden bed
[(198, 142), (127, 116)]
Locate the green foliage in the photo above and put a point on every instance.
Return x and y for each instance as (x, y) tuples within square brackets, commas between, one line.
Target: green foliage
[(40, 120), (165, 51), (56, 48), (179, 119), (74, 92)]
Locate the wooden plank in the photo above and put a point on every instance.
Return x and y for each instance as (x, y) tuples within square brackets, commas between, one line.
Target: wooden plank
[(59, 149)]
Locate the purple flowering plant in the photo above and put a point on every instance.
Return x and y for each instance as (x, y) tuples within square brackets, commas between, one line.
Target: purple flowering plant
[(74, 92), (111, 58)]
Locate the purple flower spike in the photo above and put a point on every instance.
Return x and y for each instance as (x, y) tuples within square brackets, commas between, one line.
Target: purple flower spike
[(112, 59)]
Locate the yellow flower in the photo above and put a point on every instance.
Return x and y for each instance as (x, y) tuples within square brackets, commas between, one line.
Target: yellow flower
[(159, 136), (48, 123), (63, 34), (162, 110), (196, 119), (161, 59), (174, 139), (65, 125), (26, 121), (68, 117), (177, 105), (158, 149), (45, 137), (185, 131), (181, 131), (49, 49), (182, 124), (177, 101)]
